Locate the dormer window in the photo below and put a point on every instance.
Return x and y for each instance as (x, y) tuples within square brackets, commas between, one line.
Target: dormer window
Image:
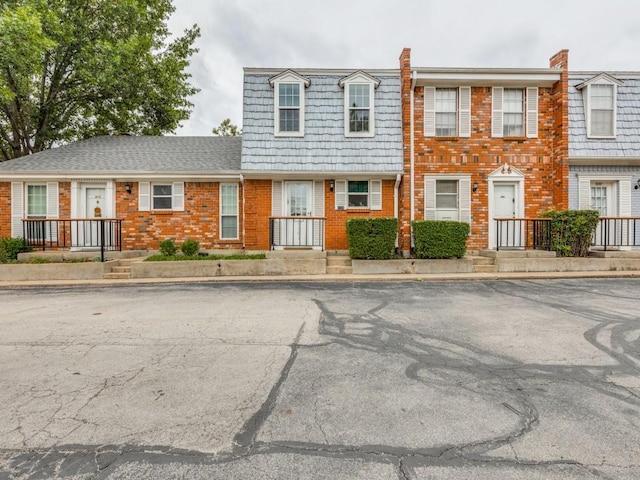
[(289, 88), (599, 97), (359, 102)]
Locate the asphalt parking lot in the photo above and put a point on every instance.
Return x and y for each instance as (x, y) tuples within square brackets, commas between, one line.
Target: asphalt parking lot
[(401, 380)]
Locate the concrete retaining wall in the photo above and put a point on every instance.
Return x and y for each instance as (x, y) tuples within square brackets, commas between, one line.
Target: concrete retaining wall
[(54, 271), (562, 264), (412, 266), (216, 268)]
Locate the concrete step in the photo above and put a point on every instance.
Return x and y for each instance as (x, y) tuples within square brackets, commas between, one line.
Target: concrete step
[(337, 261), (339, 270), (117, 276), (485, 268), (481, 260), (121, 269)]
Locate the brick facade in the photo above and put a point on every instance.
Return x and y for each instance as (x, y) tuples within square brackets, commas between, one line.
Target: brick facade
[(542, 160)]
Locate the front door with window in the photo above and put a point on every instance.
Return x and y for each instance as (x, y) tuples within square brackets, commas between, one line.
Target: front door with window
[(299, 204), (602, 198)]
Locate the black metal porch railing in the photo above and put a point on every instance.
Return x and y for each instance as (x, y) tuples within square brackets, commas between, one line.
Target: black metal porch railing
[(523, 233), (82, 233), (616, 232), (296, 232)]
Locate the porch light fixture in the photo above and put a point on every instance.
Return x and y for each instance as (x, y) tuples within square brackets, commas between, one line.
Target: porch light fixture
[(637, 185), (127, 187), (475, 187), (332, 185)]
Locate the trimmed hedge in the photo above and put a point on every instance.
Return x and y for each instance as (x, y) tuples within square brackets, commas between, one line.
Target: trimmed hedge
[(10, 248), (571, 231), (440, 238), (372, 238)]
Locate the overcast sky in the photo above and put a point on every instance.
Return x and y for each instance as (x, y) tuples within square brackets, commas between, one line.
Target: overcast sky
[(360, 34)]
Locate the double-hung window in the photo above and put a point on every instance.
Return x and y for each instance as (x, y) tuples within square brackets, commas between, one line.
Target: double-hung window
[(289, 103), (601, 114), (36, 201), (599, 95), (162, 196), (229, 211), (358, 194), (359, 104), (447, 112), (359, 108), (514, 112), (447, 198)]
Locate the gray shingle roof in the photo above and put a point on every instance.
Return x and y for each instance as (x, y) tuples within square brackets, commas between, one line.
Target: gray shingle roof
[(324, 147), (131, 154), (627, 141)]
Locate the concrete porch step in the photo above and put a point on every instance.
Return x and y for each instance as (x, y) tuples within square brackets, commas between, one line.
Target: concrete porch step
[(485, 268), (339, 270), (339, 265), (120, 270), (117, 276)]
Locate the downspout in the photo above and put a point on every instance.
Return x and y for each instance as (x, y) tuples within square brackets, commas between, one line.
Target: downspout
[(412, 217), (244, 235)]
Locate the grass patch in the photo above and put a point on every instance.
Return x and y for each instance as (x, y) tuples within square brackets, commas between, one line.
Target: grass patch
[(176, 258)]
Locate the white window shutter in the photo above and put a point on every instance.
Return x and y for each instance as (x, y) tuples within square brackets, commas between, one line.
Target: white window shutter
[(276, 198), (341, 194), (429, 198), (52, 200), (375, 187), (464, 129), (464, 199), (496, 112), (318, 199), (177, 200), (144, 196), (532, 112), (584, 194), (429, 111), (624, 187), (52, 209), (17, 209)]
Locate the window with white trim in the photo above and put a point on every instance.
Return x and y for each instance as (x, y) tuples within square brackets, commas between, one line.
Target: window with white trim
[(601, 103), (36, 201), (359, 101), (447, 198), (447, 112), (354, 194), (289, 103), (229, 211), (514, 112), (162, 196)]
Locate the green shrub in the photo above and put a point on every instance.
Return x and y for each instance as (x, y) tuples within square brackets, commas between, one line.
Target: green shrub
[(241, 256), (10, 248), (372, 238), (190, 247), (440, 238), (168, 247), (572, 230)]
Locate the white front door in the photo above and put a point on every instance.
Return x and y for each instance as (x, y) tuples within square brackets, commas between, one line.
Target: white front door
[(298, 204), (602, 198), (504, 206), (93, 205)]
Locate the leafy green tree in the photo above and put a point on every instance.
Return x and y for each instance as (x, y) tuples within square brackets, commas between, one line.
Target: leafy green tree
[(227, 129), (73, 69)]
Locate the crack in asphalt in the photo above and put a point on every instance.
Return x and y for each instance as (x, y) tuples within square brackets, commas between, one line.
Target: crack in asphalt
[(436, 360)]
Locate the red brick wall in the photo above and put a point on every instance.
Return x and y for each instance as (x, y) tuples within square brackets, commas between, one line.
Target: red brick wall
[(200, 219), (542, 160), (258, 212), (5, 209), (404, 235)]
